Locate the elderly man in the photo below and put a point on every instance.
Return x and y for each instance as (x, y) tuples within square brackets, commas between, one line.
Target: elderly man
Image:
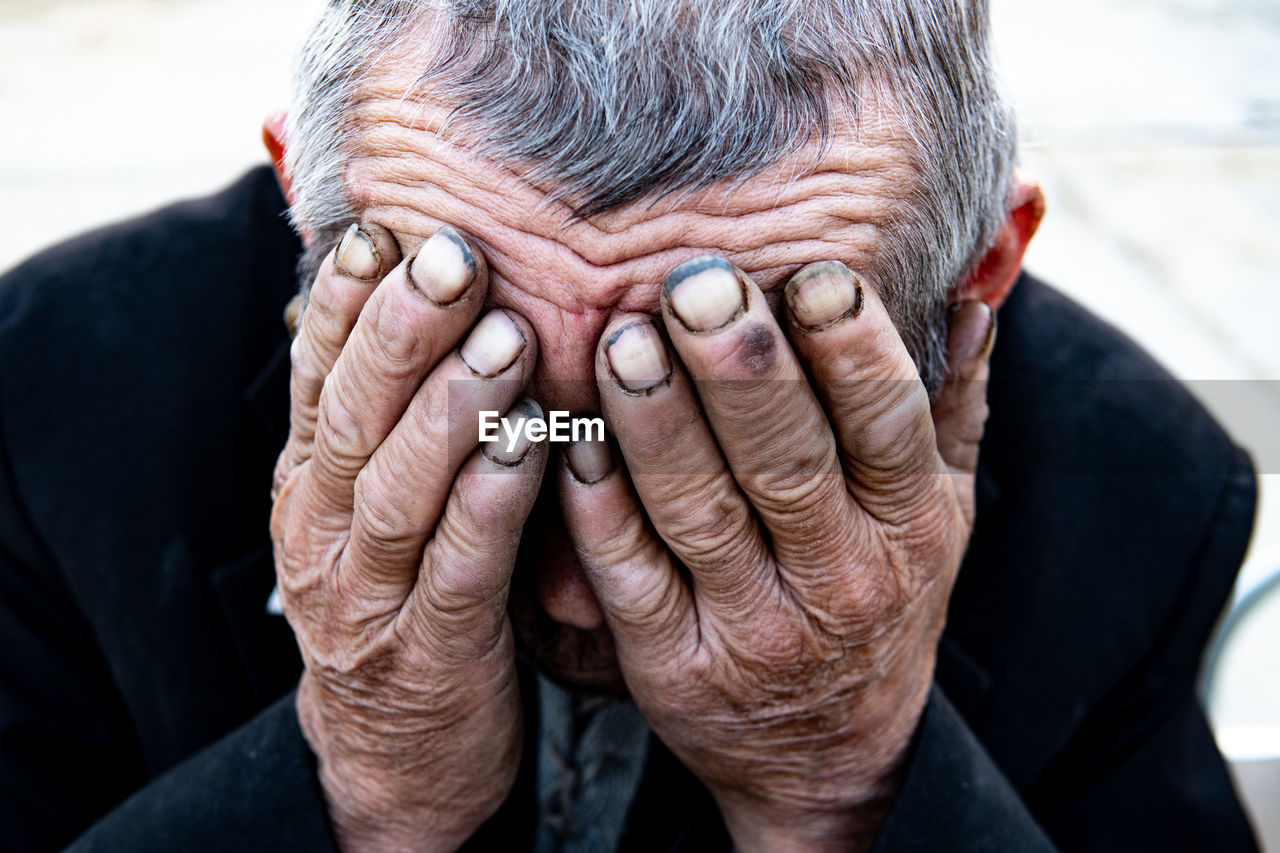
[(764, 241)]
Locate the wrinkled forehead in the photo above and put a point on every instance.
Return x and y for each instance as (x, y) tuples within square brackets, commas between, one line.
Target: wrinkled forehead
[(415, 168)]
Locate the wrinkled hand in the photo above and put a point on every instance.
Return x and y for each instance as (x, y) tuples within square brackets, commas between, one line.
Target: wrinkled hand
[(395, 540), (775, 561)]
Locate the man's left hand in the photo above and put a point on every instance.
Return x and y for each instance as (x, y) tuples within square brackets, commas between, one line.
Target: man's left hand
[(775, 560)]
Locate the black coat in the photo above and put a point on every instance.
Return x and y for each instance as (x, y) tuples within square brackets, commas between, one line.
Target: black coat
[(145, 696)]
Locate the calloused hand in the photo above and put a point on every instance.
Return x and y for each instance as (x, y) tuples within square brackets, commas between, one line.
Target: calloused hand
[(395, 539), (776, 558)]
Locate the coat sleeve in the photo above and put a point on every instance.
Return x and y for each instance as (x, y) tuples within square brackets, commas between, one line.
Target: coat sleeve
[(1141, 773), (1143, 770), (69, 753), (254, 789), (954, 796)]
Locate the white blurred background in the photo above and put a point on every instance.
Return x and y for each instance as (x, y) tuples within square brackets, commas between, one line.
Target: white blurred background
[(1153, 124)]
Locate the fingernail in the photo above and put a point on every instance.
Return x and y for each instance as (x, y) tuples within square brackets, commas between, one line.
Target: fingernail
[(493, 345), (293, 314), (972, 333), (444, 266), (511, 453), (638, 357), (589, 461), (357, 256), (823, 294), (990, 342), (705, 294)]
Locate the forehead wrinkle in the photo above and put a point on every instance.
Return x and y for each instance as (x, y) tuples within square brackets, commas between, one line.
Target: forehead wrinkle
[(855, 215), (552, 272), (412, 179)]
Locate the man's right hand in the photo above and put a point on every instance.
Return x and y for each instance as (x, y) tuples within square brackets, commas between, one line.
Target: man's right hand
[(395, 539)]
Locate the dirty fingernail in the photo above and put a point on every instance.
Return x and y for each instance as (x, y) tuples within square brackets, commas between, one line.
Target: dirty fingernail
[(705, 294), (444, 267), (357, 256), (823, 294), (589, 461), (511, 452), (493, 345), (638, 357)]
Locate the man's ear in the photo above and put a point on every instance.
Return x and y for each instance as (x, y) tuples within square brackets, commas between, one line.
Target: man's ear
[(273, 137), (996, 273)]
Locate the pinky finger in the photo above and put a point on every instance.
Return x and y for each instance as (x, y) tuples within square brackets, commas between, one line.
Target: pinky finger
[(960, 408), (346, 280)]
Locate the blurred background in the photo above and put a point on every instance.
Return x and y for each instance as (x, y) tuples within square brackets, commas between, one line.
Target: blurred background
[(1154, 126)]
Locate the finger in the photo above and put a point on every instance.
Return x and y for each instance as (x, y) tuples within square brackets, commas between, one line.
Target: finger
[(869, 386), (418, 314), (679, 473), (647, 605), (766, 420), (346, 279), (960, 408), (403, 488), (458, 602)]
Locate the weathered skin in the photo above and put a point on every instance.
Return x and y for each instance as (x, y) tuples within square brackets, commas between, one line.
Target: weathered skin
[(819, 521)]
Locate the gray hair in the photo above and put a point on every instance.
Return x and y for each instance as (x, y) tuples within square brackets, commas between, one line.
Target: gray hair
[(575, 88)]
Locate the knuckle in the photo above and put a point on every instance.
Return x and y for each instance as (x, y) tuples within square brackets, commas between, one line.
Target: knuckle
[(797, 480), (626, 543), (324, 304), (651, 605), (426, 438), (716, 533), (895, 434), (383, 521), (302, 428), (464, 536), (302, 595), (452, 594), (341, 662), (342, 432), (307, 374), (301, 575), (464, 561), (285, 466), (400, 342), (302, 359)]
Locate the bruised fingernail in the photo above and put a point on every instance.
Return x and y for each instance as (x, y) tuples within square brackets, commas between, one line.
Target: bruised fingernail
[(357, 256), (705, 294), (638, 357), (493, 345), (823, 294), (444, 266), (590, 461), (511, 451), (972, 333)]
